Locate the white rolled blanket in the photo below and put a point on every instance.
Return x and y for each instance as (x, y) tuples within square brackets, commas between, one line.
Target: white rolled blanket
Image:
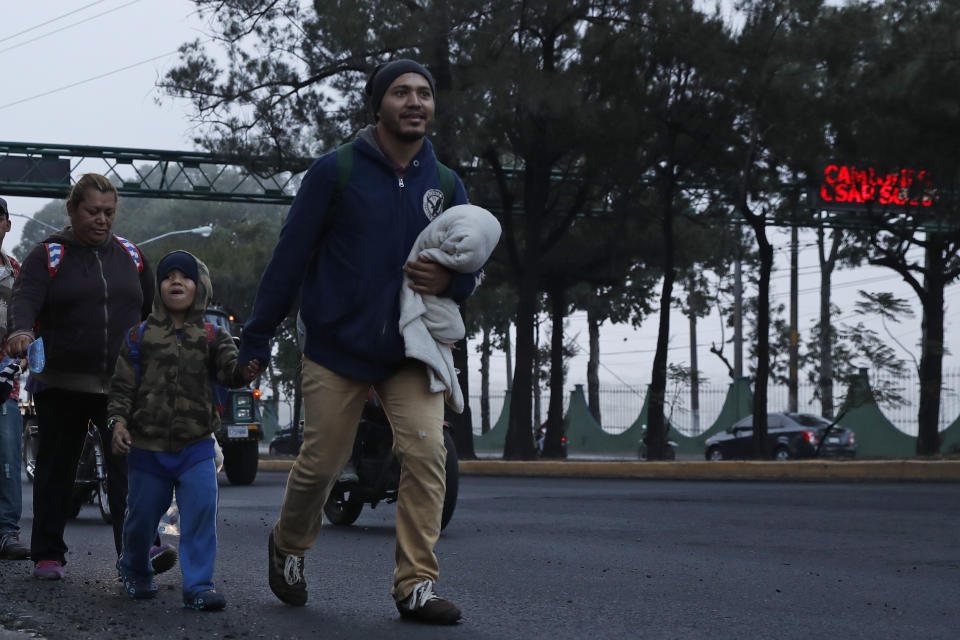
[(461, 239)]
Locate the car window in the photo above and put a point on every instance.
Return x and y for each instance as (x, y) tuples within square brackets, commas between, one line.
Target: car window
[(775, 421), (809, 420)]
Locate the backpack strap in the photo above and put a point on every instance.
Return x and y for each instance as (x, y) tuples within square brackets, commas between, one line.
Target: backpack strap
[(132, 250), (134, 338), (55, 253), (344, 166), (448, 184), (211, 332)]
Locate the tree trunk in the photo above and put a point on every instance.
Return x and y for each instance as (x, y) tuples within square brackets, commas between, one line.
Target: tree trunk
[(827, 264), (793, 384), (694, 377), (931, 350), (508, 353), (485, 381), (593, 365), (738, 313), (535, 375), (275, 400), (761, 447), (553, 445), (656, 438), (519, 439)]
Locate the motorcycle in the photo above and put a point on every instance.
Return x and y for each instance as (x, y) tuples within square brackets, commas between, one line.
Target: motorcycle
[(378, 471), (90, 485)]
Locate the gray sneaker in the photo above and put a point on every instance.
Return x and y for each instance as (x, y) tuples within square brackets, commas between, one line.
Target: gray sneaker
[(12, 549), (423, 605), (286, 576)]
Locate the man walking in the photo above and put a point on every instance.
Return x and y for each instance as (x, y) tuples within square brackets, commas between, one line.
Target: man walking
[(344, 246), (11, 424)]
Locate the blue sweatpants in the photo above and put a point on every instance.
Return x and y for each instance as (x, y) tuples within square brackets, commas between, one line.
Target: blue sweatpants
[(148, 498)]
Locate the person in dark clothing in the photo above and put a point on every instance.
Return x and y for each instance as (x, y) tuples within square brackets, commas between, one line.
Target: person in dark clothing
[(345, 248), (80, 290)]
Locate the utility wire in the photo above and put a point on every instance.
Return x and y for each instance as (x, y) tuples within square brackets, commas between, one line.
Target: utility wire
[(51, 20), (79, 82), (69, 26)]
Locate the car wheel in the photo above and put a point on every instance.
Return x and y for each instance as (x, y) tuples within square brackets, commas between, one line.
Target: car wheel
[(781, 454), (714, 454)]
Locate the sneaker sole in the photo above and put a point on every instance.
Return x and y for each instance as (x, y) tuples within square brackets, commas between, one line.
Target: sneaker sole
[(277, 585), (53, 577), (205, 607), (442, 620), (164, 561)]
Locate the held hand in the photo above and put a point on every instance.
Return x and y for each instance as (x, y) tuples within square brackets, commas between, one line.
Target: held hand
[(17, 346), (251, 371), (121, 439), (427, 276)]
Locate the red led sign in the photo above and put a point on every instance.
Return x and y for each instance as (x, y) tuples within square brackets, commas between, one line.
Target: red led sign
[(849, 187)]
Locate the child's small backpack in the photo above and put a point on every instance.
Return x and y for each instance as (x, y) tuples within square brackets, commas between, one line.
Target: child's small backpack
[(135, 337)]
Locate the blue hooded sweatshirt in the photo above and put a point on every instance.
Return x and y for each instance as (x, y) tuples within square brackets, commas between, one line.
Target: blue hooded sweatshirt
[(346, 261)]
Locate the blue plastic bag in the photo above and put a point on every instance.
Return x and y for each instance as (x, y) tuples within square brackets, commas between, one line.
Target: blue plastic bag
[(35, 357)]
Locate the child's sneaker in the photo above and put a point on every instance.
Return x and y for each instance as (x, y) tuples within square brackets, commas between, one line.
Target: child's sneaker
[(205, 601), (138, 588), (163, 557)]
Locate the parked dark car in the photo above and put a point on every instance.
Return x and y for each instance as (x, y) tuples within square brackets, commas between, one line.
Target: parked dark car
[(287, 441), (791, 436)]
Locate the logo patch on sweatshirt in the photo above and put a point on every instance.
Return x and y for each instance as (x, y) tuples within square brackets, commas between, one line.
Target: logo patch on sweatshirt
[(432, 203)]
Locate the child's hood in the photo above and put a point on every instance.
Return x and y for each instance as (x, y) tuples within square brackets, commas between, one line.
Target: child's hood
[(200, 300)]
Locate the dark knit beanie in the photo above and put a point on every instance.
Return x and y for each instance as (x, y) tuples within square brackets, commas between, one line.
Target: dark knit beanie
[(384, 75), (178, 260)]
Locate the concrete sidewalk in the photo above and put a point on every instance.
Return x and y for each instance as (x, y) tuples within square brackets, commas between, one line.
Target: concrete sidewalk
[(895, 470)]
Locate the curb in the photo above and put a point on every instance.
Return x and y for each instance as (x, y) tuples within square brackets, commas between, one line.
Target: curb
[(898, 470)]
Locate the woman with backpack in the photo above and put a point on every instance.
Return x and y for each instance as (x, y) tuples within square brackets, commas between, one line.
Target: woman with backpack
[(79, 290)]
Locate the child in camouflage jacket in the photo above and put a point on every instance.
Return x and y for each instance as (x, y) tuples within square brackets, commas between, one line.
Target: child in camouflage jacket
[(162, 415)]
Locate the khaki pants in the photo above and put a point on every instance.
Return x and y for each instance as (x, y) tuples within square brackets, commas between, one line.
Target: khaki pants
[(333, 405)]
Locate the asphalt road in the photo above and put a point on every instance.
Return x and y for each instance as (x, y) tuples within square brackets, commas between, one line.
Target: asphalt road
[(558, 558)]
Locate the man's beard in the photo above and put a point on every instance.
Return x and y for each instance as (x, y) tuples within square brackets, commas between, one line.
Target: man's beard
[(410, 136), (404, 135)]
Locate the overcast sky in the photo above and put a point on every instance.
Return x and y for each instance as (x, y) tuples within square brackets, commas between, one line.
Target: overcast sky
[(84, 72)]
